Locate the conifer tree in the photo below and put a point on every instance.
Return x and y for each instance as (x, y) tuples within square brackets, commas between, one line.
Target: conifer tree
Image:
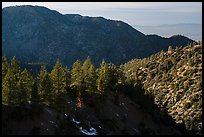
[(85, 67), (90, 80), (16, 85), (24, 87), (89, 76), (9, 85), (68, 78), (8, 88), (58, 76), (103, 79), (15, 66), (114, 75), (5, 66), (76, 75), (45, 87)]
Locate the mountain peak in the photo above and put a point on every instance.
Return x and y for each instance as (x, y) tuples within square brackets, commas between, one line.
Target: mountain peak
[(24, 7)]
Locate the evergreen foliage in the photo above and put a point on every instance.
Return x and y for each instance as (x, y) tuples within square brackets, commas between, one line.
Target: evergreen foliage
[(76, 75), (58, 77), (89, 76), (5, 66), (24, 87), (45, 87), (103, 79), (174, 79), (17, 85)]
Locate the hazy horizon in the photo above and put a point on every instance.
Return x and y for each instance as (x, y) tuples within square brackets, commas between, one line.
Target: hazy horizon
[(133, 13), (193, 31)]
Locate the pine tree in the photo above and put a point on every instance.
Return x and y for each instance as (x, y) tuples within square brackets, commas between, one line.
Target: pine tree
[(68, 78), (9, 87), (24, 87), (76, 75), (5, 66), (115, 75), (45, 87), (90, 80), (103, 79), (58, 76), (89, 76), (15, 66), (85, 67)]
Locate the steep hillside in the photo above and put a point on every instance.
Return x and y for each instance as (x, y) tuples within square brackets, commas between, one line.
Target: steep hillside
[(174, 79), (107, 118), (136, 99), (38, 34)]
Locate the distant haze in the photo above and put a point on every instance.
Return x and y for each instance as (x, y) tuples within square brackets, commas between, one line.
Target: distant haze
[(193, 31)]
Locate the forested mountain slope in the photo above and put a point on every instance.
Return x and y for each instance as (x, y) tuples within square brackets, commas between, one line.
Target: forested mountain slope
[(81, 100), (38, 34), (158, 95), (174, 79)]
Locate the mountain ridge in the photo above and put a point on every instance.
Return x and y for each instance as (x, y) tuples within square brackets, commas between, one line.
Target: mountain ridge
[(40, 34), (174, 79)]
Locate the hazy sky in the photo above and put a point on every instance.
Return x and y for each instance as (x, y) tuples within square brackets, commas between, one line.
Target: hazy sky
[(134, 13)]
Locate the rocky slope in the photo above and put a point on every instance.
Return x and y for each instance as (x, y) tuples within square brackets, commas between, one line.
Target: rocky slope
[(107, 118), (38, 34), (174, 78)]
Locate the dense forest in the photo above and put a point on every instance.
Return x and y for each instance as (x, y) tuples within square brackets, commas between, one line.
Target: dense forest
[(167, 85), (83, 83), (52, 88), (174, 79)]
